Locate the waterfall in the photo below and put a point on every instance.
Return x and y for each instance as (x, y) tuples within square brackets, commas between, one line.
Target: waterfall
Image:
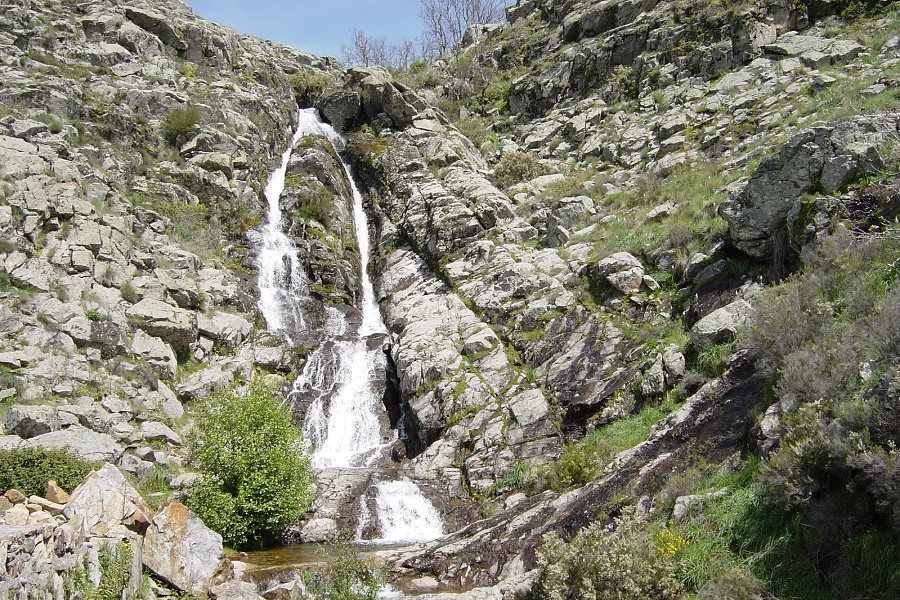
[(281, 279), (342, 420)]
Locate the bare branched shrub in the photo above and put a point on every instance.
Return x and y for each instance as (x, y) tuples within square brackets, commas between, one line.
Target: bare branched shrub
[(447, 20)]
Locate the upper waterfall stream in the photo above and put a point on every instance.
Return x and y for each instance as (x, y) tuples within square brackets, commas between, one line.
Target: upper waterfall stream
[(340, 376)]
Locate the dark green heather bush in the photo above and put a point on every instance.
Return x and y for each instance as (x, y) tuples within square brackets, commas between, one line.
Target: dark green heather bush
[(626, 560), (29, 470)]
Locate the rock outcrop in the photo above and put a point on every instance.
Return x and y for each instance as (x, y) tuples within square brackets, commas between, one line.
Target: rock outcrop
[(183, 551), (46, 546), (774, 206)]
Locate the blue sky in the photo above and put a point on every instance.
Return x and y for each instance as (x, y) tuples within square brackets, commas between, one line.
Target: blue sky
[(317, 26)]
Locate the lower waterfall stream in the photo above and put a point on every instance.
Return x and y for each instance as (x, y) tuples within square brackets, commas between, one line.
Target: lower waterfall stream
[(342, 421)]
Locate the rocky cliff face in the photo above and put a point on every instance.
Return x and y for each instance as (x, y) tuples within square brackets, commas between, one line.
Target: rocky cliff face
[(571, 217)]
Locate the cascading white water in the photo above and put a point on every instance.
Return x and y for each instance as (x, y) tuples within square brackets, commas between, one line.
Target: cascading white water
[(342, 421), (371, 316), (281, 280), (404, 514)]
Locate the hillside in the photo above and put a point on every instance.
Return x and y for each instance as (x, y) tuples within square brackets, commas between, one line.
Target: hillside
[(637, 262)]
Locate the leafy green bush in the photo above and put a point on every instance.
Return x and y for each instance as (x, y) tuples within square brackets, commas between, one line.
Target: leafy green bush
[(255, 466), (314, 201), (29, 470), (345, 577), (628, 561), (115, 571), (180, 121)]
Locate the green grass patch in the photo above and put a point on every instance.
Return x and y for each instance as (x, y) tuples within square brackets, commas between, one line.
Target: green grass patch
[(584, 460), (695, 191), (180, 121)]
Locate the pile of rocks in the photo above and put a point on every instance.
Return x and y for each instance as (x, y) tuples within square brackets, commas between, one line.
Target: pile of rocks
[(48, 545)]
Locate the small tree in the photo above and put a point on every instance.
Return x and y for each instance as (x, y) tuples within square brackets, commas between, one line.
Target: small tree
[(366, 50), (255, 467), (447, 20)]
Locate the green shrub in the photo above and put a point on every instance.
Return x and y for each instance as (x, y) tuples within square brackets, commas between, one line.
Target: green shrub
[(515, 167), (180, 121), (188, 70), (314, 202), (497, 93), (115, 571), (307, 85), (628, 561), (29, 470), (828, 337), (7, 246), (255, 466), (345, 577), (129, 294)]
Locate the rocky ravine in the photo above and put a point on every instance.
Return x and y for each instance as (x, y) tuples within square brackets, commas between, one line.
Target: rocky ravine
[(523, 311)]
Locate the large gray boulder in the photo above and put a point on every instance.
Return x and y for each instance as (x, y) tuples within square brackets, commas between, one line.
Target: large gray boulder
[(180, 287), (155, 353), (815, 51), (622, 271), (179, 548), (224, 327), (236, 590), (19, 159), (154, 430), (169, 323), (86, 444), (381, 94), (29, 421), (720, 326), (159, 25), (821, 159), (340, 108), (10, 442), (106, 499)]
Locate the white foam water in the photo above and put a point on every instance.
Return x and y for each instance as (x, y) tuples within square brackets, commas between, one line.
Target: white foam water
[(404, 514), (342, 421), (281, 279)]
